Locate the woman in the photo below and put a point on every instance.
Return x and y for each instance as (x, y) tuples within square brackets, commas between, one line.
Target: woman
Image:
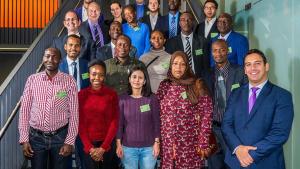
[(116, 12), (139, 124), (137, 31), (182, 104), (157, 60), (98, 118)]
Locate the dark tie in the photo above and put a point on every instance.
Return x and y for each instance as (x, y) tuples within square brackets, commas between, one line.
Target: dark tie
[(74, 70), (98, 36), (252, 98), (172, 27), (188, 51)]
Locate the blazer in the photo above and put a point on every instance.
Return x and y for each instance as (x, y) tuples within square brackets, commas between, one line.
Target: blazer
[(87, 49), (85, 30), (238, 46), (83, 71), (158, 25), (200, 30), (200, 52), (105, 52), (145, 10), (267, 127), (236, 78), (165, 25)]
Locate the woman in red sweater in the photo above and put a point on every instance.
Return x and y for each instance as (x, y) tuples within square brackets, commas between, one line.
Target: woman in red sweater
[(98, 118)]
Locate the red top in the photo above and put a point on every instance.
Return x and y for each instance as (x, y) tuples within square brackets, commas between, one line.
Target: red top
[(98, 116)]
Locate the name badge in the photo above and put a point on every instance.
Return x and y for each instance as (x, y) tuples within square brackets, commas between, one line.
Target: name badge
[(199, 52), (229, 50), (183, 95), (145, 108), (234, 86), (165, 65), (85, 76), (61, 94), (213, 34)]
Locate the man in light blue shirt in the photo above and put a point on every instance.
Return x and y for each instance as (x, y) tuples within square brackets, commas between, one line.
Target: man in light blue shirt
[(171, 20)]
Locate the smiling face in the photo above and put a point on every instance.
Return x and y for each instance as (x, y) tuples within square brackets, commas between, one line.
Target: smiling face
[(115, 10), (210, 10), (93, 12), (129, 15), (51, 60), (97, 76), (219, 52), (137, 80), (122, 47), (186, 23), (115, 30), (178, 67), (224, 24), (255, 69), (157, 40), (174, 5), (72, 47), (71, 22)]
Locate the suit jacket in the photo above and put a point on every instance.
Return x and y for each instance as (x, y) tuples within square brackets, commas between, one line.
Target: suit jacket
[(267, 127), (200, 30), (86, 31), (83, 71), (145, 10), (200, 52), (165, 25), (238, 46), (78, 11), (236, 78), (87, 50), (104, 53), (158, 25)]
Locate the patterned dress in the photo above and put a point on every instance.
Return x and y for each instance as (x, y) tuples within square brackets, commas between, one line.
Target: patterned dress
[(180, 131)]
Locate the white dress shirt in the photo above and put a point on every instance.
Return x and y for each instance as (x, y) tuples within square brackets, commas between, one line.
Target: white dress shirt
[(184, 42), (71, 70), (112, 49), (153, 20), (208, 25), (224, 37), (84, 14)]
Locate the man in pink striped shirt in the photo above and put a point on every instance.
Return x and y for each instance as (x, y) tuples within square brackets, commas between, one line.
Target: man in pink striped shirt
[(48, 123)]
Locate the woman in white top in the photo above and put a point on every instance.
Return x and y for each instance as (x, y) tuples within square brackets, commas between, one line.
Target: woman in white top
[(156, 60)]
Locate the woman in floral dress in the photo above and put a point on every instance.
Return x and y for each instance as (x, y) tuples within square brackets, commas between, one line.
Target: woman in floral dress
[(181, 104)]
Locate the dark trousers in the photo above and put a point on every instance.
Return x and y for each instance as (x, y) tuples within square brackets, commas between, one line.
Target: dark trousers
[(46, 149), (108, 158), (79, 155), (216, 161)]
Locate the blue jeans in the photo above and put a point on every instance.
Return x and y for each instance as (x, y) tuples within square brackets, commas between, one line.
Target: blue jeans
[(138, 158), (46, 149)]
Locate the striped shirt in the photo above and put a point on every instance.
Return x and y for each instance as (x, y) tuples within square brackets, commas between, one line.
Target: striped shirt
[(49, 104)]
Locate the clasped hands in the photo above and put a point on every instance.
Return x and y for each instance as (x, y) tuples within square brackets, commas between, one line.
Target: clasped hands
[(242, 153), (97, 153)]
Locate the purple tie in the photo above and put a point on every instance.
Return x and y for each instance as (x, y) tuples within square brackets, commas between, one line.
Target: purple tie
[(252, 98)]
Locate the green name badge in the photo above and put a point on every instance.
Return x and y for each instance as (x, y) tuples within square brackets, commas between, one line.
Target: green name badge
[(145, 108), (234, 86), (165, 65), (229, 50), (183, 95), (213, 34), (199, 52), (85, 76), (61, 94)]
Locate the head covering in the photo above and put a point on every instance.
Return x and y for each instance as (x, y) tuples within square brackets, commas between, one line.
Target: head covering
[(188, 79)]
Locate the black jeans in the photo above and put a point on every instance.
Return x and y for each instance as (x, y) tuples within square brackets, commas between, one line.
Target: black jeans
[(46, 149)]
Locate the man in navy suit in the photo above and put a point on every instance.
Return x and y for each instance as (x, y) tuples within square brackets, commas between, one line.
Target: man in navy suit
[(72, 23), (171, 20), (237, 44), (208, 28), (258, 119), (140, 8), (222, 79), (82, 11)]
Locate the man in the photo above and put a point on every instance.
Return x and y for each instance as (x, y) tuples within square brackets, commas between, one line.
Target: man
[(195, 47), (258, 119), (92, 28), (72, 24), (208, 28), (140, 8), (237, 44), (222, 79), (82, 11), (48, 122), (108, 51), (153, 19), (171, 20), (119, 67)]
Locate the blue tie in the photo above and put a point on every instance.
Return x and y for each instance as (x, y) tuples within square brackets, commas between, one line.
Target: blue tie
[(172, 27), (75, 70)]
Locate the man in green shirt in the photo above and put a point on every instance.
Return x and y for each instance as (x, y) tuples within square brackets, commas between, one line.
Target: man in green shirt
[(118, 68)]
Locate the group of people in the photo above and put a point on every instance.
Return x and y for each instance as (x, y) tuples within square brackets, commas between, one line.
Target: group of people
[(141, 85)]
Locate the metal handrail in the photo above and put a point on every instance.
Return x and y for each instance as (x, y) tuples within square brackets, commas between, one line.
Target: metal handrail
[(193, 12), (15, 110)]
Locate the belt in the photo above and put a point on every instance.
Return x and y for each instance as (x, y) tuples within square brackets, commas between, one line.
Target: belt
[(49, 133), (216, 123)]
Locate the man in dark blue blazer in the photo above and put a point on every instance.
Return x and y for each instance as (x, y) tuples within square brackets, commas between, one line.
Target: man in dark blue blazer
[(222, 79), (258, 119), (72, 23), (140, 8), (238, 44), (173, 14)]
